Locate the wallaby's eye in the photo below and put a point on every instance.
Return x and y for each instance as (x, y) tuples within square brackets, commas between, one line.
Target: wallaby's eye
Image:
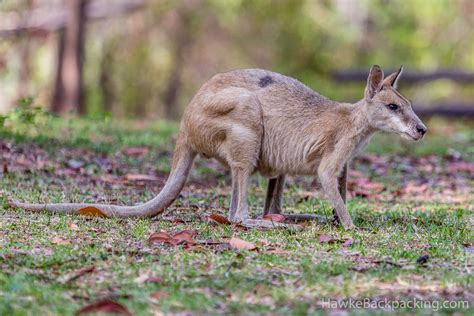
[(392, 107)]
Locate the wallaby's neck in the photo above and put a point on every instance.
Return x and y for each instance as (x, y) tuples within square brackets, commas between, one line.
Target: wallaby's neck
[(359, 121)]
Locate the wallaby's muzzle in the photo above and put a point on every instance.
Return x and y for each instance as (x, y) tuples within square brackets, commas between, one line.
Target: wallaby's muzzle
[(417, 129)]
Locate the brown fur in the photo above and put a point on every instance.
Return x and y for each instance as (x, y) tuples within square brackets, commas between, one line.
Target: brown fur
[(257, 120)]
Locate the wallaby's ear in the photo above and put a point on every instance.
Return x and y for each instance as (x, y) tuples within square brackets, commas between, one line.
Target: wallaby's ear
[(391, 81), (374, 82)]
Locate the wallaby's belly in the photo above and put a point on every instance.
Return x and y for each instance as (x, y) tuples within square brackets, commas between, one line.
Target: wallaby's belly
[(287, 151)]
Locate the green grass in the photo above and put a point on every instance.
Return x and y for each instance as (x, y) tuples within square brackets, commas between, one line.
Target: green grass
[(380, 264)]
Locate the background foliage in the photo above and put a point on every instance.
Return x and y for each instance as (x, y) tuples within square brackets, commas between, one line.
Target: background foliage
[(134, 61)]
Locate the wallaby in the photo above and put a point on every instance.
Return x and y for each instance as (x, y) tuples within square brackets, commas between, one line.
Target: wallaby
[(257, 120)]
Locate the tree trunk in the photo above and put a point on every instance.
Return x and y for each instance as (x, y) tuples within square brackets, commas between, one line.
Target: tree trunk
[(182, 44), (105, 83), (68, 92)]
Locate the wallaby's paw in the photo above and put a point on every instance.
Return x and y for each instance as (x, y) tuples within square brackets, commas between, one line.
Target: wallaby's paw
[(349, 226), (261, 223), (236, 219)]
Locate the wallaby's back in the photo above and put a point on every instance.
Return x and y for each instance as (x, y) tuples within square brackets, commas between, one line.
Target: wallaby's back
[(264, 115)]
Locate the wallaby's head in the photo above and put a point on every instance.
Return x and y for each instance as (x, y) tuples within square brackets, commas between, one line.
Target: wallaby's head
[(387, 109)]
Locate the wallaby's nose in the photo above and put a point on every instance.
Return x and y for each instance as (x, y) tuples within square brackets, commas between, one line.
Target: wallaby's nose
[(420, 128)]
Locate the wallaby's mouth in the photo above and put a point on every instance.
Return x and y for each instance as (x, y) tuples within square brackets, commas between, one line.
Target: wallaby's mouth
[(414, 136)]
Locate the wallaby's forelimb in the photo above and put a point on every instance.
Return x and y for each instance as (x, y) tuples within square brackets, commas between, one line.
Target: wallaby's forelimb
[(182, 162), (342, 185), (274, 198), (274, 202), (329, 182)]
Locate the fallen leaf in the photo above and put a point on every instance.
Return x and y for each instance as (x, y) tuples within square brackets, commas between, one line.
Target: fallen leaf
[(160, 237), (277, 218), (348, 242), (65, 172), (219, 219), (73, 226), (325, 239), (362, 186), (461, 166), (136, 151), (140, 177), (154, 280), (91, 211), (277, 251), (104, 306), (75, 164), (60, 241), (159, 294), (113, 179), (182, 237), (24, 162), (237, 243), (77, 274)]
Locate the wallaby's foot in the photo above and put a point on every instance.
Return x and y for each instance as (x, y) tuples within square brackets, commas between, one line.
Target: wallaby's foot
[(345, 221), (347, 225), (273, 210), (306, 217), (238, 218), (261, 223), (350, 226), (335, 219)]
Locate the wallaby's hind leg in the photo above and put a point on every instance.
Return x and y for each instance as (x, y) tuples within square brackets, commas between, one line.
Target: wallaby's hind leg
[(239, 210), (274, 199), (274, 202), (234, 196)]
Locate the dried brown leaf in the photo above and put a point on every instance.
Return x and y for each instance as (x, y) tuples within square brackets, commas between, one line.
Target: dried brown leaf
[(277, 218), (76, 274), (220, 219), (136, 151), (159, 294), (237, 243), (348, 242), (183, 237), (160, 237), (60, 241), (73, 226), (140, 177), (325, 239), (92, 211), (104, 306), (154, 280)]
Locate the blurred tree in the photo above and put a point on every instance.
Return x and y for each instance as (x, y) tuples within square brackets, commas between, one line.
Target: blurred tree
[(149, 57), (25, 52), (183, 38), (68, 93)]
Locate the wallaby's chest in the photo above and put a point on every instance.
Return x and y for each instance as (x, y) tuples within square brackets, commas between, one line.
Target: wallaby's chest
[(363, 143)]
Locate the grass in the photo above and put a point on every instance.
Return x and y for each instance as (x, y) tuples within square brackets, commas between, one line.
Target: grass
[(39, 252)]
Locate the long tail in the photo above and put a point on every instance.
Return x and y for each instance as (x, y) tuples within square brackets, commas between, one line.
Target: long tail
[(182, 162)]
